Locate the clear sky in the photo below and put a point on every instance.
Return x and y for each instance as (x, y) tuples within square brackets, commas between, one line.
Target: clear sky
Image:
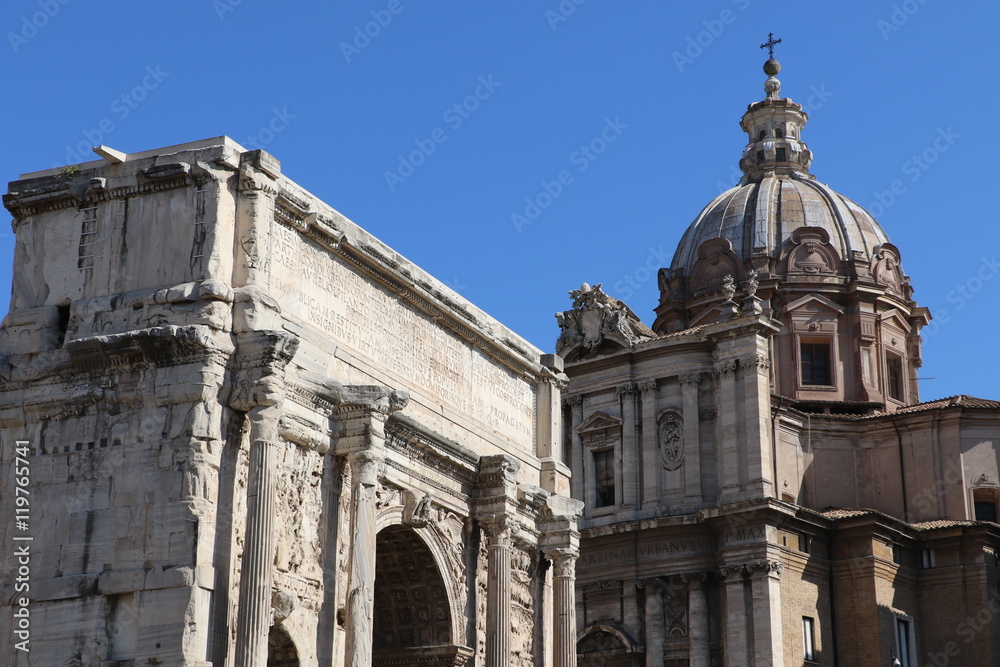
[(434, 124)]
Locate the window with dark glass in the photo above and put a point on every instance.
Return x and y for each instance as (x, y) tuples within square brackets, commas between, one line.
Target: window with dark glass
[(779, 132), (815, 359), (903, 640), (780, 154), (760, 156), (894, 375), (604, 469), (986, 511)]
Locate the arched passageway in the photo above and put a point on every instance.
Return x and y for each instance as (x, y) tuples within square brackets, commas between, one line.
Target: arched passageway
[(281, 651)]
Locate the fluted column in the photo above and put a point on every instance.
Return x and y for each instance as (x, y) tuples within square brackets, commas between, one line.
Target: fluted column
[(697, 620), (655, 630), (497, 514), (365, 467), (692, 437), (651, 464), (765, 587), (630, 460), (259, 369), (254, 620), (564, 594), (735, 619), (361, 416), (499, 533)]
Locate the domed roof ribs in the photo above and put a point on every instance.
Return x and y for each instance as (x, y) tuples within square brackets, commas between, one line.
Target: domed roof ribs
[(763, 229), (686, 253), (845, 237)]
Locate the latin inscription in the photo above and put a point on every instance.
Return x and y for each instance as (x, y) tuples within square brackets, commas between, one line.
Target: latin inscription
[(629, 552), (377, 326)]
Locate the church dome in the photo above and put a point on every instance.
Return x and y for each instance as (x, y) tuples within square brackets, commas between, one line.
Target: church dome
[(760, 219)]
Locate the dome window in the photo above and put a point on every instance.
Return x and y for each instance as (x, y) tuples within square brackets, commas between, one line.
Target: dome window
[(760, 156), (760, 137), (779, 133), (815, 358), (894, 376), (780, 155)]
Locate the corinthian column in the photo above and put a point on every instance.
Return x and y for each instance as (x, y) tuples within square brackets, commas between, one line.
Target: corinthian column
[(361, 418), (499, 532), (261, 357)]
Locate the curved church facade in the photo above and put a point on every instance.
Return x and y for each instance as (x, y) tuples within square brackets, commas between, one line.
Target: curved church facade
[(762, 484)]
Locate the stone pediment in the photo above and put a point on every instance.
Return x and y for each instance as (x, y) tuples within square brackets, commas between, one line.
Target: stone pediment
[(814, 302), (599, 421), (808, 253)]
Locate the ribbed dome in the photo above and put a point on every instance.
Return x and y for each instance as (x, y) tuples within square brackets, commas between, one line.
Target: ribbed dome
[(759, 219)]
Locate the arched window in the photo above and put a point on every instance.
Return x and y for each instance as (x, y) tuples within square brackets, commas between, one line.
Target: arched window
[(760, 137), (779, 132)]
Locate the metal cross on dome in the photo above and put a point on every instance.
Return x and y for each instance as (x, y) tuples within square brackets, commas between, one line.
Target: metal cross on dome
[(770, 44)]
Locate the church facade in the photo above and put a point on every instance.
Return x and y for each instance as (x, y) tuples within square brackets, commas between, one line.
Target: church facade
[(762, 484), (251, 434)]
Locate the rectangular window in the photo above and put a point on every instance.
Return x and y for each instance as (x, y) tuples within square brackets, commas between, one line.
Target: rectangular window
[(903, 639), (604, 469), (809, 638), (894, 376), (897, 554), (779, 154), (927, 559), (815, 359)]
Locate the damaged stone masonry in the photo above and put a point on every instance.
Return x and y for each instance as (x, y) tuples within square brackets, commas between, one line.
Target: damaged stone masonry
[(260, 436)]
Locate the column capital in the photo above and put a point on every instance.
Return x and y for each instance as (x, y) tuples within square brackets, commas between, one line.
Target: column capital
[(725, 368), (731, 572), (571, 400), (626, 388), (756, 362), (690, 378), (650, 583), (259, 368), (361, 414), (765, 568), (563, 562), (647, 386), (694, 579)]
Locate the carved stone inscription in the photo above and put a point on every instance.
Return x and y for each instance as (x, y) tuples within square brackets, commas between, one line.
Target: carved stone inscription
[(628, 553), (376, 325)]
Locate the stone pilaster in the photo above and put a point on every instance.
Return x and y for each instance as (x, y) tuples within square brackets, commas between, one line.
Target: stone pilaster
[(651, 463), (655, 629), (564, 594), (756, 391), (692, 437), (736, 652), (728, 445), (697, 620), (555, 472), (630, 469), (361, 418), (765, 590), (575, 403), (259, 372)]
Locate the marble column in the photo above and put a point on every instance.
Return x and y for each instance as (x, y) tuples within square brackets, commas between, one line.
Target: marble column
[(259, 370), (765, 587), (692, 437), (564, 594), (655, 629), (651, 464), (630, 468), (697, 620), (254, 619), (499, 534), (365, 467), (736, 618)]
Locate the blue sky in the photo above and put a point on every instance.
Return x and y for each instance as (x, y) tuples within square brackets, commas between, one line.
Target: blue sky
[(497, 98)]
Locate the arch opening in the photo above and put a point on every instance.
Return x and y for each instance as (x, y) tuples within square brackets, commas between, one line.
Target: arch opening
[(281, 651)]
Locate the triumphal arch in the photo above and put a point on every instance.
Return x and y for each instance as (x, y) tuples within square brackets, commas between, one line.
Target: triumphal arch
[(256, 435)]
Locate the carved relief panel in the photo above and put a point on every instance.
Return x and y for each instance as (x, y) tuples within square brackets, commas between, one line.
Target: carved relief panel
[(670, 431), (809, 253), (716, 260)]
